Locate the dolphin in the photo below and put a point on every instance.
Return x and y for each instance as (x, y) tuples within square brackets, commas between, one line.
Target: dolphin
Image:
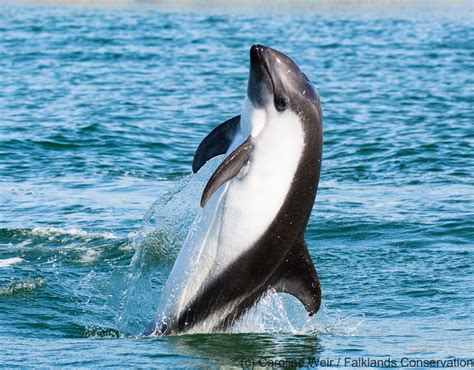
[(248, 238)]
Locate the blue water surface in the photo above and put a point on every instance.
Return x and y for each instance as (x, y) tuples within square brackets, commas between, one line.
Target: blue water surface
[(101, 110)]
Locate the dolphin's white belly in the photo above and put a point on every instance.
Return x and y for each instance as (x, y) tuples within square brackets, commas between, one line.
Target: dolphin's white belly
[(238, 213)]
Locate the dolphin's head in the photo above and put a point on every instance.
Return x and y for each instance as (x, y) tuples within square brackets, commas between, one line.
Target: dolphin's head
[(277, 83)]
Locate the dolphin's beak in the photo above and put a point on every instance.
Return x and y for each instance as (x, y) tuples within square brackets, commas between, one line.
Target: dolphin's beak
[(267, 66), (259, 60), (260, 85), (258, 56)]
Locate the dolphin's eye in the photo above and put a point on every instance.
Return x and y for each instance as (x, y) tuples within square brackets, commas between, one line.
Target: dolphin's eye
[(281, 102)]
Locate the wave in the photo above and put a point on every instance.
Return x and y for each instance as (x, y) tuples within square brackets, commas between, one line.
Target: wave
[(38, 247), (10, 261), (26, 285), (51, 232)]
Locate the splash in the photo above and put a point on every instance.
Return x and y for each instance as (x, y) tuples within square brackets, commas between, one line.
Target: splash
[(283, 314), (162, 232)]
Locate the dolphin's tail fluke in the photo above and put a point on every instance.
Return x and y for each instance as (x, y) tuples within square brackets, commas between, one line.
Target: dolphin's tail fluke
[(297, 276)]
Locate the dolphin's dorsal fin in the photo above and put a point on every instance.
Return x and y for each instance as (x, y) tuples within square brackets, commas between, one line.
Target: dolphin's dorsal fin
[(216, 142), (297, 276)]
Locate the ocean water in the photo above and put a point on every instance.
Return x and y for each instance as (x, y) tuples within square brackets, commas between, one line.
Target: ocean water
[(101, 109)]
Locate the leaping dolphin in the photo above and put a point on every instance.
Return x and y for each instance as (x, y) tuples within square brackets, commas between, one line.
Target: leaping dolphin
[(248, 239)]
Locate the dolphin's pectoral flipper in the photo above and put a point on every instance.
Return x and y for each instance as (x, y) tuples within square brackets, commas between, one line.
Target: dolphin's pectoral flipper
[(216, 143), (228, 169), (297, 276)]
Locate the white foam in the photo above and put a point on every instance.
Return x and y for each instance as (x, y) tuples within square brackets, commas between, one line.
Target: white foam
[(10, 261), (51, 232), (90, 256)]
